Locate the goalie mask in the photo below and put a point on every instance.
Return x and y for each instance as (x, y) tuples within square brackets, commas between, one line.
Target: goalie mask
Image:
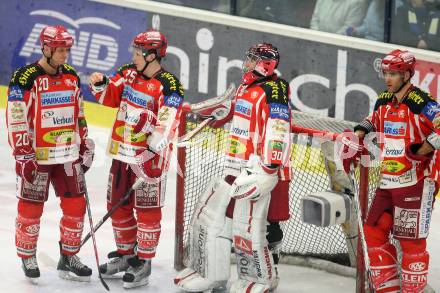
[(261, 61)]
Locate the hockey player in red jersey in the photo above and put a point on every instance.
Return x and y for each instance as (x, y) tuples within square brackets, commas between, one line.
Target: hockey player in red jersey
[(244, 207), (150, 98), (48, 134), (407, 120)]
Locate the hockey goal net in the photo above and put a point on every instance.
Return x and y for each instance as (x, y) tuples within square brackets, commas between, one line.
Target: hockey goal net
[(202, 160)]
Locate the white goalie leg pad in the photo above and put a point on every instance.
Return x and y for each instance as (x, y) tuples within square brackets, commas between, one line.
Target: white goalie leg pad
[(210, 241), (254, 259)]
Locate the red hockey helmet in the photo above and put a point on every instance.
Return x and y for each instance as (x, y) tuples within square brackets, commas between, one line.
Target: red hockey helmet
[(151, 40), (399, 61), (56, 36)]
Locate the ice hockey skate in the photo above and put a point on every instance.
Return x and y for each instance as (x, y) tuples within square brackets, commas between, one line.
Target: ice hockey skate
[(71, 268), (117, 263), (30, 269), (137, 273)]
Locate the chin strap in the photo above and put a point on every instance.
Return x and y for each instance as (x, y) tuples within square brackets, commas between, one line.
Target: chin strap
[(402, 86), (48, 61), (146, 63)]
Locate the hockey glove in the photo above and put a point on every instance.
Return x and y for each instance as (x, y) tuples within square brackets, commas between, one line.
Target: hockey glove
[(146, 122), (86, 153), (145, 164), (157, 142), (254, 181), (98, 82), (25, 164), (352, 147)]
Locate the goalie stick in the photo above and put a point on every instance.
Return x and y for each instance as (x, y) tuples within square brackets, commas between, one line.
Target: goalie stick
[(361, 226), (198, 107), (343, 182), (340, 182)]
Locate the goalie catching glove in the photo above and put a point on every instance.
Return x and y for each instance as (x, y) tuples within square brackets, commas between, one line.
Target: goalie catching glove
[(255, 180)]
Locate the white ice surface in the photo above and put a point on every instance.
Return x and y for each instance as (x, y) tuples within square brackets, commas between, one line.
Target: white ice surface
[(293, 279)]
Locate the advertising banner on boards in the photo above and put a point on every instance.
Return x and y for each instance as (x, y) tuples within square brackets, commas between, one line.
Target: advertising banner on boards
[(327, 80)]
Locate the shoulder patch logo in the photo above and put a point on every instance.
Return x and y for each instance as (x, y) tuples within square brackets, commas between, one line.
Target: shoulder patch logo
[(15, 93), (431, 110), (279, 111), (174, 100)]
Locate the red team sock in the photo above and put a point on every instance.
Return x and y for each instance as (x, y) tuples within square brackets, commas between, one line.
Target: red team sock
[(72, 223), (27, 227), (383, 256), (415, 263), (148, 232), (124, 229)]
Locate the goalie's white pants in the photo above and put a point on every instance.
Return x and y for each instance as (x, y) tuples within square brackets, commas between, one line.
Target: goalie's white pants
[(210, 244)]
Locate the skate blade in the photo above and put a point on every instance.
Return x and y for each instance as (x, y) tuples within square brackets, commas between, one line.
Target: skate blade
[(66, 275), (114, 276), (129, 285), (33, 281)]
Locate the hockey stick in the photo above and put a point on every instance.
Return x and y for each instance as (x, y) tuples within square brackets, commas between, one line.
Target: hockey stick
[(112, 211), (361, 227), (124, 199), (92, 233)]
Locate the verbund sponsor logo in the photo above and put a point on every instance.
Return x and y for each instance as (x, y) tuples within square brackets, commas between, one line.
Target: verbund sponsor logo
[(57, 117)]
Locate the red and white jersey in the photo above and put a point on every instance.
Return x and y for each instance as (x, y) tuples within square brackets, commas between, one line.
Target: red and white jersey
[(131, 93), (46, 112), (402, 124), (261, 126)]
